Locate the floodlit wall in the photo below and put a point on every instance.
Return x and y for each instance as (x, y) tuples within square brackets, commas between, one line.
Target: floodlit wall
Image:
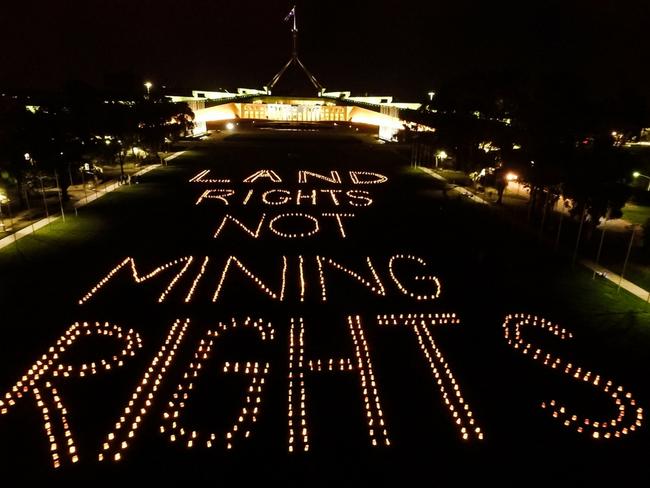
[(227, 111), (307, 112), (364, 116), (299, 112)]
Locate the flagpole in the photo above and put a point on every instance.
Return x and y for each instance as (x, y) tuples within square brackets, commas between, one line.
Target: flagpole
[(294, 58)]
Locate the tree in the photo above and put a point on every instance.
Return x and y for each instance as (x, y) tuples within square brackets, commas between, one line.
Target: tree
[(162, 120), (565, 131), (15, 126)]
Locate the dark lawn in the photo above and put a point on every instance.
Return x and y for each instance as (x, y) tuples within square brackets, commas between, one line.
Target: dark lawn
[(486, 268)]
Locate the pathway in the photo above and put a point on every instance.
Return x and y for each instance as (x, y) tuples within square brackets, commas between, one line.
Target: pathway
[(85, 200), (597, 268)]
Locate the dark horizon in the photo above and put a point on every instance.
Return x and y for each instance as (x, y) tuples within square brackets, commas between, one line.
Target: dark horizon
[(398, 48)]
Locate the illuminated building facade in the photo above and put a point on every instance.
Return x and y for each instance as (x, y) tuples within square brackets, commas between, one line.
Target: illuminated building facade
[(213, 109)]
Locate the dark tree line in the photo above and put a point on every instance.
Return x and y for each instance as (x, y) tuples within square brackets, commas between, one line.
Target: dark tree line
[(60, 133), (553, 129)]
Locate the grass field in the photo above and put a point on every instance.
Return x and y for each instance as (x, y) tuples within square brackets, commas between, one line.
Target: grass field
[(486, 269), (636, 214)]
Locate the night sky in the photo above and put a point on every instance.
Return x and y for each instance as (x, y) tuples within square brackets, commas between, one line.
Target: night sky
[(403, 48)]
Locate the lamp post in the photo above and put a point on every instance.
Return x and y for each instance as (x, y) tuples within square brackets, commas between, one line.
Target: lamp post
[(627, 256), (47, 212), (30, 161), (148, 86), (602, 238), (441, 156), (636, 174), (3, 199), (58, 190), (513, 178)]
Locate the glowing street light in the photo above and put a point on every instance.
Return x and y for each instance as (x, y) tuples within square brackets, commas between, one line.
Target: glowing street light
[(636, 174), (230, 126), (4, 199), (148, 86), (431, 95), (441, 155), (514, 178)]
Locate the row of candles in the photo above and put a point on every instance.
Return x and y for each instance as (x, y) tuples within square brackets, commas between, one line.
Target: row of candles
[(630, 415), (356, 177), (373, 282), (280, 196)]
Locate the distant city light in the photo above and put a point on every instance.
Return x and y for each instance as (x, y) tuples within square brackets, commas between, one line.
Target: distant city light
[(636, 174), (512, 177)]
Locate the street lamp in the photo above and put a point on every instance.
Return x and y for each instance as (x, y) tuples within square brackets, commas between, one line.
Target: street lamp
[(441, 155), (513, 178), (636, 174), (148, 86), (5, 200)]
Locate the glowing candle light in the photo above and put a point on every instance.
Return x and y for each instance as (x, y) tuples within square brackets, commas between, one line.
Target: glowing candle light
[(334, 177), (376, 286), (283, 200), (138, 278), (449, 389), (338, 217), (359, 198), (333, 195), (196, 281), (263, 173), (161, 362), (229, 218), (273, 223), (248, 196), (201, 178), (297, 391), (596, 429), (403, 289), (367, 178), (258, 282), (47, 396), (216, 194), (247, 414)]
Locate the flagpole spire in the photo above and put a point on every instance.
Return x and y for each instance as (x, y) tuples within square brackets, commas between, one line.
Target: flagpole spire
[(294, 57)]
